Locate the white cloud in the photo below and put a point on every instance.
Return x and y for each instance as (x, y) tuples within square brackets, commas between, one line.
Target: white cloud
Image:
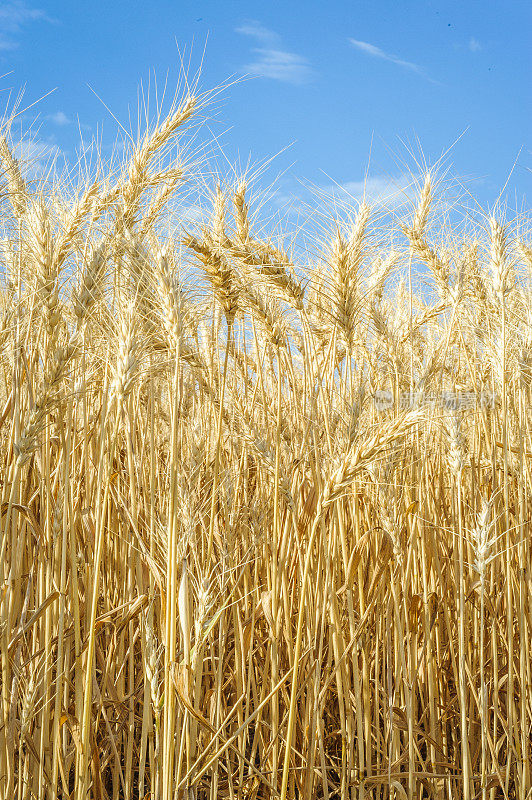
[(271, 61), (259, 32), (390, 193), (385, 194), (58, 118), (35, 157), (280, 65), (376, 52), (13, 17), (474, 45)]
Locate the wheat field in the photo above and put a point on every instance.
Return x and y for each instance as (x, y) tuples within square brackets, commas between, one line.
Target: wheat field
[(265, 510)]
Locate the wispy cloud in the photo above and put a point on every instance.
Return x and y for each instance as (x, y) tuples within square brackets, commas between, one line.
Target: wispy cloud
[(384, 194), (59, 118), (271, 60), (14, 16), (474, 45), (281, 66), (259, 32), (378, 191), (36, 156), (377, 52)]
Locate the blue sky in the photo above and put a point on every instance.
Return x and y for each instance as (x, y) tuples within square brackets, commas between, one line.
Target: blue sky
[(332, 82)]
